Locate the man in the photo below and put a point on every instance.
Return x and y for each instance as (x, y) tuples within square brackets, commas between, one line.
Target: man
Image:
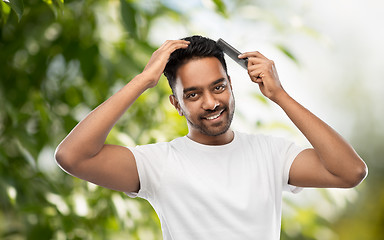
[(213, 183)]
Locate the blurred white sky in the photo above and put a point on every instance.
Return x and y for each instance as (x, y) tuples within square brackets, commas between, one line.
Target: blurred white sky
[(339, 67)]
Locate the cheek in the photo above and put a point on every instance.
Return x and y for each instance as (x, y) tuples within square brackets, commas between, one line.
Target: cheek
[(228, 98), (191, 109), (231, 99)]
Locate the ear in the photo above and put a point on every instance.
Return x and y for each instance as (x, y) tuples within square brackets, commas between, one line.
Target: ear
[(175, 103)]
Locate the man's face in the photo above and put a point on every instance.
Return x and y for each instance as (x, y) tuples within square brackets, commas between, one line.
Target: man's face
[(204, 96)]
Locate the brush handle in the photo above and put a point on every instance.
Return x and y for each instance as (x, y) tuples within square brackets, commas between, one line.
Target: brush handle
[(232, 53)]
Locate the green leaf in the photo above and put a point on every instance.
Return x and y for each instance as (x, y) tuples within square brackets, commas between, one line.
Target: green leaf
[(57, 6), (220, 7), (17, 6), (4, 12), (287, 52), (260, 98), (128, 13)]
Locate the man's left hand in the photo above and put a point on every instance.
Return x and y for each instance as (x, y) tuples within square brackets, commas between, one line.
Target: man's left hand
[(262, 71)]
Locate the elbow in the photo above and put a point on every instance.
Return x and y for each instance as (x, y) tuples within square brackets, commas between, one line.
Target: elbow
[(357, 176), (63, 159)]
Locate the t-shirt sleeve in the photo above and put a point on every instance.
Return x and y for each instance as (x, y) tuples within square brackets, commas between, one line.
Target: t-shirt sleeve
[(287, 151), (150, 161)]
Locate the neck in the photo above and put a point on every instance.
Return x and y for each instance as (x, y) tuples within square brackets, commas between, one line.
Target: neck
[(221, 139)]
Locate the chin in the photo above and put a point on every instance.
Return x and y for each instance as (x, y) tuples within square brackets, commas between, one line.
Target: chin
[(212, 130), (215, 131)]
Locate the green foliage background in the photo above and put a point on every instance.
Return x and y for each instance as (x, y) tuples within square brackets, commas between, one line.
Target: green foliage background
[(58, 61)]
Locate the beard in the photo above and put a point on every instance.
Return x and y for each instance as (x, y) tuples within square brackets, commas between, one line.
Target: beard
[(203, 126)]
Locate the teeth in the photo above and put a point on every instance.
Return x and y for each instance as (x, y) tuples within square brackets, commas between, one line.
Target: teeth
[(214, 116)]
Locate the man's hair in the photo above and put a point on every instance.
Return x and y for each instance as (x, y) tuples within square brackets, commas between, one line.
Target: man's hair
[(199, 47)]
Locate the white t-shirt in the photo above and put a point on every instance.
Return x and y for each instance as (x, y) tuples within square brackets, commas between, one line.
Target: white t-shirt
[(231, 191)]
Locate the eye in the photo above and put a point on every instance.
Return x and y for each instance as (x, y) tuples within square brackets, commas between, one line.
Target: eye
[(220, 88), (191, 96)]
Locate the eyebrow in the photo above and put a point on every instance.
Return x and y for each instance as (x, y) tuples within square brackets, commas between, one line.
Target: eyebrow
[(185, 90)]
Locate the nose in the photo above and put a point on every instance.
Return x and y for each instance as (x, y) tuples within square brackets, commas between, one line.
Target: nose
[(210, 102)]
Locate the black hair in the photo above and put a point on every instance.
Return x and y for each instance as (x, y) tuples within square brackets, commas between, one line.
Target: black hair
[(199, 47)]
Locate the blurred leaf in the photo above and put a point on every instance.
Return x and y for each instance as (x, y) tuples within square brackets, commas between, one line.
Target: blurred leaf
[(221, 8), (53, 71), (4, 12), (40, 232), (128, 14), (260, 98), (17, 6), (57, 6), (287, 52)]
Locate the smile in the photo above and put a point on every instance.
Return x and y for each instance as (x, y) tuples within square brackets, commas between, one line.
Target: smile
[(215, 116)]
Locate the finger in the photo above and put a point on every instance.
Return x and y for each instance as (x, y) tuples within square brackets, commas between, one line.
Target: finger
[(178, 45), (257, 80), (255, 54), (257, 61), (174, 44), (170, 42), (257, 75), (256, 69), (252, 54), (179, 42)]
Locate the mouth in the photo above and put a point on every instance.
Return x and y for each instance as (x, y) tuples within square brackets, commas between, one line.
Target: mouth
[(215, 116)]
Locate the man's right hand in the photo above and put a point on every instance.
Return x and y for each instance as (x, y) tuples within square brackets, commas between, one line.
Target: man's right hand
[(159, 59), (84, 154)]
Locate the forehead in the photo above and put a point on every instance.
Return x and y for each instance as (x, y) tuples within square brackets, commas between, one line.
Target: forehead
[(199, 72)]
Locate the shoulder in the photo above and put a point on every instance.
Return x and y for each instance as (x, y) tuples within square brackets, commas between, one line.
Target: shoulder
[(265, 142), (157, 148)]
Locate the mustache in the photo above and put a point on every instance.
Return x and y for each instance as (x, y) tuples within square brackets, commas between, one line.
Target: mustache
[(209, 112)]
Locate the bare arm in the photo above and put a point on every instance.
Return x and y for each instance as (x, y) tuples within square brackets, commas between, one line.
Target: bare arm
[(84, 154), (332, 162)]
